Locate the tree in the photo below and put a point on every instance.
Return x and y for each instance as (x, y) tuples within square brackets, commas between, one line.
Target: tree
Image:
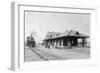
[(33, 33)]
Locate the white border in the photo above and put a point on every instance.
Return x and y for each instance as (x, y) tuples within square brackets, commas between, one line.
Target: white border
[(18, 52)]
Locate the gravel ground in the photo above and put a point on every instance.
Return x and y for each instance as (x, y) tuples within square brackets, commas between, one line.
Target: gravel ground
[(30, 56), (41, 53)]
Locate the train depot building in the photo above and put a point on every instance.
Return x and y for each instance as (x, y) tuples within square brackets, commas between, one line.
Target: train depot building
[(67, 39)]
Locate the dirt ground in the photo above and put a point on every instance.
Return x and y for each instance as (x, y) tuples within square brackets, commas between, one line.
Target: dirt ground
[(41, 53)]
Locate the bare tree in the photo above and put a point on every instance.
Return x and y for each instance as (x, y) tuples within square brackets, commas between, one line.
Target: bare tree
[(33, 33)]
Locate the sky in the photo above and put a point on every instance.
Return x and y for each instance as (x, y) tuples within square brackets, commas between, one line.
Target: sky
[(42, 22)]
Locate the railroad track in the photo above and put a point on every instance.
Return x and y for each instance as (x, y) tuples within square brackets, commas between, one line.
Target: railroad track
[(44, 55)]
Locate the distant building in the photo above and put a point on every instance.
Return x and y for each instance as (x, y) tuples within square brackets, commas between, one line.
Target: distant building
[(68, 38)]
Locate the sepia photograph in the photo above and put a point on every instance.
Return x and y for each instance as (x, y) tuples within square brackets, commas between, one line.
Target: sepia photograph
[(52, 36)]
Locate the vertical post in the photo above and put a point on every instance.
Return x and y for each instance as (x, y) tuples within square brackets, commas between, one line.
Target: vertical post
[(69, 43), (59, 42), (56, 43), (76, 41), (62, 42), (83, 42)]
